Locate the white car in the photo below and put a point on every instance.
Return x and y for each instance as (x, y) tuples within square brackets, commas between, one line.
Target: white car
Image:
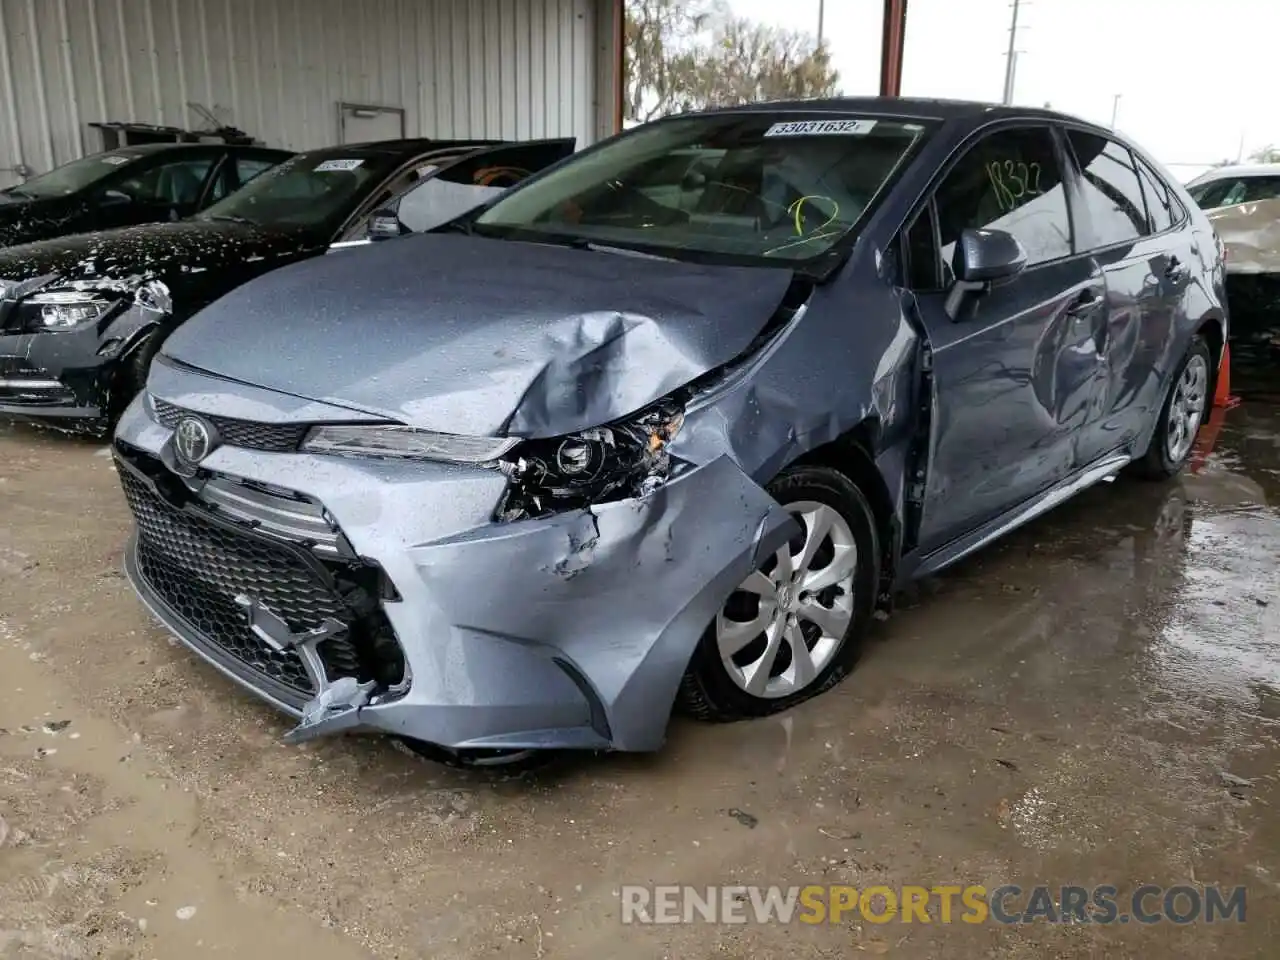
[(1250, 234), (1238, 183)]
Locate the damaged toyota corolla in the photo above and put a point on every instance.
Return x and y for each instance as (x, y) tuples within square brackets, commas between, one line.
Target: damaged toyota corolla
[(666, 424)]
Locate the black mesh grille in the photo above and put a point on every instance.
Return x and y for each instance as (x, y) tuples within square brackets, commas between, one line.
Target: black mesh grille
[(271, 437), (198, 568)]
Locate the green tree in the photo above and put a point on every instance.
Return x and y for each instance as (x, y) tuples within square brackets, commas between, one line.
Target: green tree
[(692, 54)]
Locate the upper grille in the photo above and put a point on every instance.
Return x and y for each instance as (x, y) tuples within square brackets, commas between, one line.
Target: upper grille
[(275, 511), (198, 568), (270, 437)]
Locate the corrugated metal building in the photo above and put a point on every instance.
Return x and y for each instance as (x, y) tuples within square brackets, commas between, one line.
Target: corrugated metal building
[(303, 73)]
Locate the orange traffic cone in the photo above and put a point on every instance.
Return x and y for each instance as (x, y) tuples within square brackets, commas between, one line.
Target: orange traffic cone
[(1222, 395)]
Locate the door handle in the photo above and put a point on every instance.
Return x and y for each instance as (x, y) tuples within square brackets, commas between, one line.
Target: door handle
[(1088, 300)]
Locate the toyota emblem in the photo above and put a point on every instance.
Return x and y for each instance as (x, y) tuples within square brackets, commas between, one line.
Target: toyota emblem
[(192, 439)]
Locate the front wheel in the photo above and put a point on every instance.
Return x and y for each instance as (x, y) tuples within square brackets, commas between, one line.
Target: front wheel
[(1184, 410), (132, 376), (794, 627)]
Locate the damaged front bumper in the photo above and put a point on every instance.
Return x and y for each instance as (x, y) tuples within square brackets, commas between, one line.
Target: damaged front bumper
[(570, 631), (64, 375)]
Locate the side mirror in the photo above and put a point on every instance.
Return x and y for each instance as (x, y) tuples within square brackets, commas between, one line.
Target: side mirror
[(385, 224), (982, 259)]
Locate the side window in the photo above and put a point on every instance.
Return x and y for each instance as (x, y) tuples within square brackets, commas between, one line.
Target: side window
[(1111, 189), (1156, 192), (175, 183), (922, 268), (440, 199), (1009, 181), (249, 167)]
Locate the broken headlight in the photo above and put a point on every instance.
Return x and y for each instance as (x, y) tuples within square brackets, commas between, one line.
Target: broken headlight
[(65, 309), (628, 458)]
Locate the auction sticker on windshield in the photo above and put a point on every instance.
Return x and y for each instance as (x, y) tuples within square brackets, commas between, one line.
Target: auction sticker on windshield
[(808, 128), (331, 165)]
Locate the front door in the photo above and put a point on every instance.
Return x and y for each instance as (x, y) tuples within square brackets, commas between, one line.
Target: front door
[(1012, 371), (169, 188)]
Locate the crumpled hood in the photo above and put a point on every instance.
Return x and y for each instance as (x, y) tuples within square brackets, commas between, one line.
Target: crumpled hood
[(475, 336), (1251, 234), (165, 251)]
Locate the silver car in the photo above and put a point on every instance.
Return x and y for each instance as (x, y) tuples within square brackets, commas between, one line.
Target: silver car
[(668, 422)]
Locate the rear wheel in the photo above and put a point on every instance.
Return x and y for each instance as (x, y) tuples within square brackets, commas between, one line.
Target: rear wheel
[(794, 627), (1185, 407)]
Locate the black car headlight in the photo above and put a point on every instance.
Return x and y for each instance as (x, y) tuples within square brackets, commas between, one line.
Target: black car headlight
[(624, 459), (64, 309)]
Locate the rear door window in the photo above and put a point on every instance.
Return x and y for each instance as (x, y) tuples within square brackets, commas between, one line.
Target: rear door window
[(1111, 189), (1010, 180), (1156, 192)]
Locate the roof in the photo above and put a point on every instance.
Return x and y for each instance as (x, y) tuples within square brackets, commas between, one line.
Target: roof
[(919, 107), (145, 149), (1241, 170), (410, 147)]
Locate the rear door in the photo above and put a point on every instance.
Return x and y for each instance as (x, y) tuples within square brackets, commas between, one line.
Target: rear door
[(447, 185), (1013, 371), (1127, 222)]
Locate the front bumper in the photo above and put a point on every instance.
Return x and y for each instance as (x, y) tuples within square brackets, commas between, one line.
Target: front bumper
[(59, 376), (567, 632)]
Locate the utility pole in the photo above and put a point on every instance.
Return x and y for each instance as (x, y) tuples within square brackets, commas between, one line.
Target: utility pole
[(1009, 66), (1115, 108), (821, 11)]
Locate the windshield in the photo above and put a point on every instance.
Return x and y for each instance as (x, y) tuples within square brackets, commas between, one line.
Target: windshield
[(1233, 190), (74, 176), (306, 191), (744, 185)]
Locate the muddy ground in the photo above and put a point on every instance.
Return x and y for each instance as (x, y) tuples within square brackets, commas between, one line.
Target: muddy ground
[(1094, 700)]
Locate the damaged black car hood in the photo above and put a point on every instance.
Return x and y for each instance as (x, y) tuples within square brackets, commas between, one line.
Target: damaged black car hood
[(189, 253), (478, 336)]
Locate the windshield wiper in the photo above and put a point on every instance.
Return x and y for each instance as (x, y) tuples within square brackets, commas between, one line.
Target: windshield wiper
[(230, 218), (18, 192)]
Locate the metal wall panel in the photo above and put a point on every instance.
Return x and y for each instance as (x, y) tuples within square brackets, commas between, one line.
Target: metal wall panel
[(278, 68)]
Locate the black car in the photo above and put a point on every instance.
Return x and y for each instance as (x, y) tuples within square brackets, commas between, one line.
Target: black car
[(119, 188), (82, 316)]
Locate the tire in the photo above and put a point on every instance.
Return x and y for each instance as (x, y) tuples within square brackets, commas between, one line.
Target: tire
[(737, 687), (132, 376), (1192, 382)]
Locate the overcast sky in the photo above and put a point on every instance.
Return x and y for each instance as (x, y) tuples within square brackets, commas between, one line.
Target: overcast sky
[(1194, 76)]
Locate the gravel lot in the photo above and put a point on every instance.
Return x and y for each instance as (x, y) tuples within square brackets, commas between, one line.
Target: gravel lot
[(1094, 700)]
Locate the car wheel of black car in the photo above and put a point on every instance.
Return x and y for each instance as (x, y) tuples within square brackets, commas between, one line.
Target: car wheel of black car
[(794, 627), (1184, 410), (133, 375)]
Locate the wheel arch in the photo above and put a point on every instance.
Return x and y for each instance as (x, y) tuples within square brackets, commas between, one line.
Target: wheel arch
[(852, 454), (1212, 328)]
